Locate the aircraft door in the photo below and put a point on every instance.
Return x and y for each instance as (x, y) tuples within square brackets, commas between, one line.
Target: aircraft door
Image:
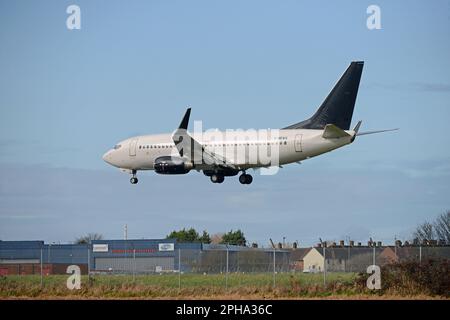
[(133, 144), (298, 143)]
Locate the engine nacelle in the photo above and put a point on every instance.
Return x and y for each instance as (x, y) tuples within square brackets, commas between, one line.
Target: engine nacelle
[(172, 165)]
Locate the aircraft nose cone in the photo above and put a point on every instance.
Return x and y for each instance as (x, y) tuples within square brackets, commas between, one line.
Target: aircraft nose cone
[(107, 157)]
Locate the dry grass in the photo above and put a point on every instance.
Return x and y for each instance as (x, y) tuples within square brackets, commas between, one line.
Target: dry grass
[(193, 286)]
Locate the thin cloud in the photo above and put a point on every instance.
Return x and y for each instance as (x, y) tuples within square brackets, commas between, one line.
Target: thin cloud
[(431, 87)]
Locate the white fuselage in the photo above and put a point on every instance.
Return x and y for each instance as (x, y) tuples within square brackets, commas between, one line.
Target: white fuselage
[(292, 145)]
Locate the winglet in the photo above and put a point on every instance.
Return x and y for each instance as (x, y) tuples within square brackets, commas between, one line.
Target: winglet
[(358, 125), (184, 123)]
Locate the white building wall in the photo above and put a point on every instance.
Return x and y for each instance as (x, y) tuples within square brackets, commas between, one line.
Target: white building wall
[(313, 261)]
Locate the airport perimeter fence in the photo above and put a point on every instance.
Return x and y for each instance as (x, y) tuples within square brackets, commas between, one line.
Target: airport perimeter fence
[(215, 267)]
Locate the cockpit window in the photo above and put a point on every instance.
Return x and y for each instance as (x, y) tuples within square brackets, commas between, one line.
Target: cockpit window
[(117, 146)]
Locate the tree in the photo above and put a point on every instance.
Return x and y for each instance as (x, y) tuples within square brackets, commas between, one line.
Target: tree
[(190, 235), (205, 238), (437, 230), (88, 238), (442, 227), (184, 235), (425, 231), (235, 238)]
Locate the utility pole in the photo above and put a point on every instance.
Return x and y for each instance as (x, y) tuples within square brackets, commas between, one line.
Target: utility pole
[(125, 232)]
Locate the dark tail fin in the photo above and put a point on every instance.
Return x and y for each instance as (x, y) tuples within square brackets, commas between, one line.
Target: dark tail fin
[(338, 107)]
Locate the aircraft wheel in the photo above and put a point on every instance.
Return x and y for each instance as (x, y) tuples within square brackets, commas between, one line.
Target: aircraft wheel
[(245, 178), (215, 178), (134, 180)]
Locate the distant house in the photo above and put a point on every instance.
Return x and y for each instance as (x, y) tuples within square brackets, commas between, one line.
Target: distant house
[(346, 259), (313, 261), (297, 258), (418, 253)]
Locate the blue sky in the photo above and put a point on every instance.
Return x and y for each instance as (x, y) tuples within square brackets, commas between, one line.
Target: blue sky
[(68, 96)]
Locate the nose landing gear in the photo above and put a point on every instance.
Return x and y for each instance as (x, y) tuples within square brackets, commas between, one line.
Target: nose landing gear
[(134, 179)]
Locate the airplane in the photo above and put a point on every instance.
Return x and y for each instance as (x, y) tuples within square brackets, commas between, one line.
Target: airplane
[(218, 155)]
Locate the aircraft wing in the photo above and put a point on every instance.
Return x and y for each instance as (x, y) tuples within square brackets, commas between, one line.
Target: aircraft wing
[(191, 149)]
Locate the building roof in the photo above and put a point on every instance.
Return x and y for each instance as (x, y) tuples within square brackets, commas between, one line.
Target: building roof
[(343, 252), (299, 253)]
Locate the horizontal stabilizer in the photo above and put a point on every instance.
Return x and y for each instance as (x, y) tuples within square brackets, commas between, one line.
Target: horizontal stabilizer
[(332, 132), (372, 132)]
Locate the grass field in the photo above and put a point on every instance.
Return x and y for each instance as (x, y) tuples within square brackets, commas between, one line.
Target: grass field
[(189, 286), (174, 285)]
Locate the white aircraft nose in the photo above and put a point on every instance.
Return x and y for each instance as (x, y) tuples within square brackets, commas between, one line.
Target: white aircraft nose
[(107, 157)]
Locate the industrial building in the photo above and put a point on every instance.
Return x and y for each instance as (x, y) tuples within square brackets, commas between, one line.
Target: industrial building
[(135, 256), (168, 255)]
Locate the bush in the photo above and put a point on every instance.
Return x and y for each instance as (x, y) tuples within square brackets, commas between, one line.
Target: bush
[(431, 277)]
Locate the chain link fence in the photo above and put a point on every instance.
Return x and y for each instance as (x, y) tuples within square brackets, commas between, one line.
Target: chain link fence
[(217, 266)]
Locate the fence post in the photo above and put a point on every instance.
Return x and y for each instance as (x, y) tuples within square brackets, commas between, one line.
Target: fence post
[(179, 269), (274, 267), (89, 263), (42, 279), (324, 267), (349, 268), (226, 274), (420, 254), (374, 261), (134, 265)]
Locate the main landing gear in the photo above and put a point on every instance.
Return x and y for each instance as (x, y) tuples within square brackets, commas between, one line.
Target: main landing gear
[(217, 178), (245, 178), (134, 179)]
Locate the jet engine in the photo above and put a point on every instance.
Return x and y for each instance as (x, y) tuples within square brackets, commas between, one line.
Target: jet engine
[(172, 165)]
